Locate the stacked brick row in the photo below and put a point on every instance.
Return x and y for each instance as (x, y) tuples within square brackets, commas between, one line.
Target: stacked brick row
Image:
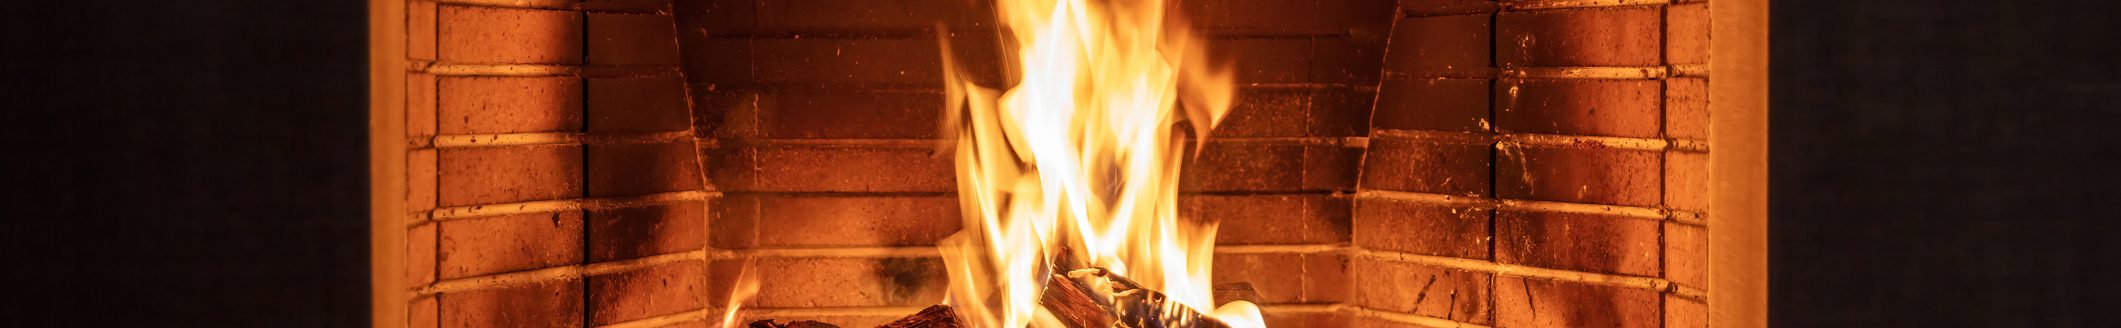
[(1538, 164), (553, 179)]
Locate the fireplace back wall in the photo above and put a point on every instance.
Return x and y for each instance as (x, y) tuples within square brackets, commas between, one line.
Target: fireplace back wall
[(1420, 162)]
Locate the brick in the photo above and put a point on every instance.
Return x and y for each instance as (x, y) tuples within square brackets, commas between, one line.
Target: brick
[(1527, 302), (1578, 242), (634, 232), (1687, 33), (420, 98), (492, 35), (424, 312), (649, 292), (1266, 113), (420, 30), (1445, 7), (793, 220), (1305, 319), (848, 114), (493, 175), (825, 16), (486, 105), (509, 243), (891, 61), (420, 180), (1253, 166), (1686, 181), (632, 40), (637, 105), (1314, 278), (1343, 113), (1611, 36), (420, 250), (1365, 16), (712, 61), (1279, 112), (1437, 46), (643, 168), (1436, 292), (1686, 103), (1686, 255), (835, 282), (1422, 228), (1271, 219), (1578, 174), (556, 303), (808, 168), (1431, 166), (1618, 108), (1685, 313), (1333, 61), (1433, 104)]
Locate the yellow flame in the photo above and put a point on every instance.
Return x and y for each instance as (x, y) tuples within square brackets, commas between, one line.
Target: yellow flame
[(1083, 154), (746, 286)]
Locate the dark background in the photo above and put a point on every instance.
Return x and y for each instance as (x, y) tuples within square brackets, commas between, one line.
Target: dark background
[(191, 163), (1944, 163), (184, 163)]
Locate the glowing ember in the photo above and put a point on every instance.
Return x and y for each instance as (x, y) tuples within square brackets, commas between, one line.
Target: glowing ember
[(1082, 154)]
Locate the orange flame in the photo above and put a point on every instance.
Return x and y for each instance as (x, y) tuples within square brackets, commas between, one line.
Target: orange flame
[(1082, 154)]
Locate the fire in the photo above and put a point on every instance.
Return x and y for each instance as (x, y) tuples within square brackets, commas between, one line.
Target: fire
[(1081, 156)]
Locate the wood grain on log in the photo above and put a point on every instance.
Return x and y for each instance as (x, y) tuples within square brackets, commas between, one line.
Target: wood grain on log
[(938, 316)]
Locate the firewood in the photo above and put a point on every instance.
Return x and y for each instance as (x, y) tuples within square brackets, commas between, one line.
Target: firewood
[(938, 316), (1075, 305), (768, 323)]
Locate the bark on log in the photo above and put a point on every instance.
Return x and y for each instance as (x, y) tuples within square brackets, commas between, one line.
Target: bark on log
[(938, 316), (768, 323)]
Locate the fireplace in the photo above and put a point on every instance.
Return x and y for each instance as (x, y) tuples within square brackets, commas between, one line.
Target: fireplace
[(1540, 163)]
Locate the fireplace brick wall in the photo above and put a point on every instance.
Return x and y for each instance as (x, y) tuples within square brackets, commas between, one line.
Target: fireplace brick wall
[(553, 180), (1537, 163)]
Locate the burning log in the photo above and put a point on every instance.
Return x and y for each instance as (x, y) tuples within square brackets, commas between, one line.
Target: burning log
[(768, 323), (938, 316)]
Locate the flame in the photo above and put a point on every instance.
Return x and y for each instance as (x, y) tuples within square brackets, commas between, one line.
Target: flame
[(747, 285), (1082, 154)]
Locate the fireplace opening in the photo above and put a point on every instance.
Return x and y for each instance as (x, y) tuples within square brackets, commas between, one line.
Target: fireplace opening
[(1379, 163)]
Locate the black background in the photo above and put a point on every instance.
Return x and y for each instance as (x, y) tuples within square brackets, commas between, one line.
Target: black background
[(198, 163)]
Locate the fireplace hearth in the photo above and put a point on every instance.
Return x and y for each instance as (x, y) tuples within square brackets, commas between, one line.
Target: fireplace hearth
[(1534, 163)]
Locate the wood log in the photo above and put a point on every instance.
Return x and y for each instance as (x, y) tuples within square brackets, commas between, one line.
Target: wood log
[(938, 316), (768, 323), (1075, 305)]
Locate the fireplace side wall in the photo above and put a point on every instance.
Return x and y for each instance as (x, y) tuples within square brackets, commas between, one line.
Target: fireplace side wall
[(1538, 164), (552, 176)]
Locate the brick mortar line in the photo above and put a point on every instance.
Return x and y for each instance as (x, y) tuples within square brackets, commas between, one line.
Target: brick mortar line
[(555, 138), (1557, 72), (1544, 139), (1636, 212), (666, 320), (1655, 284), (499, 280), (1401, 317), (538, 70), (1595, 73), (514, 4), (549, 206), (651, 7), (1533, 5)]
